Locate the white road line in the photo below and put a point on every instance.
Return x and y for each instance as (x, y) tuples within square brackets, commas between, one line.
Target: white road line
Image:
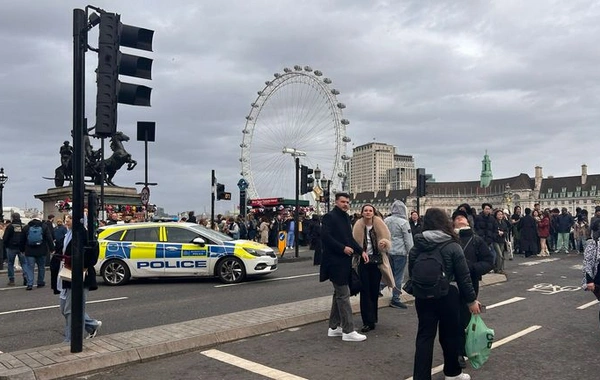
[(269, 280), (56, 306), (260, 369), (530, 263), (13, 288), (497, 344), (585, 306), (509, 301)]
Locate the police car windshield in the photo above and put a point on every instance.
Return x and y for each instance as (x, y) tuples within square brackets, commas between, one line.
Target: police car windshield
[(212, 234)]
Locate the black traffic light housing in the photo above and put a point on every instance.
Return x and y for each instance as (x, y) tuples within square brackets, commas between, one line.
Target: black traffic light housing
[(421, 182), (221, 193), (306, 179), (111, 62)]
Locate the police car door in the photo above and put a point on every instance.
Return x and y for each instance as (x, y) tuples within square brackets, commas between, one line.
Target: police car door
[(146, 252), (182, 256)]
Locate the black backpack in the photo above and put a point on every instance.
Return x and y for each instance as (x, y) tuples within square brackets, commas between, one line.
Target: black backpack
[(15, 240), (428, 275)]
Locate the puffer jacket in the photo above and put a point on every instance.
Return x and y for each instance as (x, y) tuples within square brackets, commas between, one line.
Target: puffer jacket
[(455, 264), (397, 223)]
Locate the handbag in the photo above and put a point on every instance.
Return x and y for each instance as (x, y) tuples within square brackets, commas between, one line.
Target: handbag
[(408, 287), (375, 259), (66, 274)]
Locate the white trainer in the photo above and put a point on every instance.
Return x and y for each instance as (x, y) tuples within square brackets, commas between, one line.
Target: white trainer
[(462, 376), (335, 332), (353, 337)]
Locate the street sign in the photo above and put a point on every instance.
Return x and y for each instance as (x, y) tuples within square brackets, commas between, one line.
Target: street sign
[(145, 195)]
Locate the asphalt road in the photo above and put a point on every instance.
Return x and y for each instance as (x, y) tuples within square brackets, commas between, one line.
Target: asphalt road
[(545, 325), (31, 318)]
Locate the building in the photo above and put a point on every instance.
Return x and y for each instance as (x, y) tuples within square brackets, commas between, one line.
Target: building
[(369, 165), (403, 175), (581, 191)]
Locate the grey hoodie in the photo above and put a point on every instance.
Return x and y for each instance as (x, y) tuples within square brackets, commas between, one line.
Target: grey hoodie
[(397, 223)]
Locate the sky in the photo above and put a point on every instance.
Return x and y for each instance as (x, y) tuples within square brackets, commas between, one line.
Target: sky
[(443, 81)]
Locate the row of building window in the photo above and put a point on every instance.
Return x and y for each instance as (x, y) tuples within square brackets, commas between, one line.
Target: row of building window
[(569, 194)]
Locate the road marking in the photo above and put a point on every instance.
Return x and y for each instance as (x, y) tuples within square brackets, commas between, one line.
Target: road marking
[(509, 301), (260, 369), (269, 280), (497, 344), (549, 289), (585, 306), (530, 263), (56, 306), (13, 288)]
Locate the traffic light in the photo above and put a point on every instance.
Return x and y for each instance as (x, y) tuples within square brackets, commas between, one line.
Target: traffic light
[(111, 62), (221, 194), (421, 182), (306, 179)]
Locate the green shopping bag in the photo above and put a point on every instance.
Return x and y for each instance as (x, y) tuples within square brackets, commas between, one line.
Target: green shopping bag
[(479, 341)]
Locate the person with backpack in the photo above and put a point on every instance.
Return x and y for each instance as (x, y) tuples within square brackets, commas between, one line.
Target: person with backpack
[(12, 240), (36, 241), (434, 262)]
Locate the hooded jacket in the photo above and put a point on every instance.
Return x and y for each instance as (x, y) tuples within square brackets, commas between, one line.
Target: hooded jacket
[(397, 223), (455, 264)]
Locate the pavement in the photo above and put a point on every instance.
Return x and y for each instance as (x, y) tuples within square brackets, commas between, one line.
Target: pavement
[(108, 351)]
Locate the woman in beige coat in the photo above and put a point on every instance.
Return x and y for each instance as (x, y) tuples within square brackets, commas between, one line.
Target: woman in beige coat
[(371, 233), (263, 229)]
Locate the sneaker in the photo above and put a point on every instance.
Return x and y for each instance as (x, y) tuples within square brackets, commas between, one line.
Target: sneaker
[(11, 283), (367, 328), (462, 362), (95, 332), (462, 376), (335, 332), (41, 285), (398, 305), (29, 287), (353, 337)]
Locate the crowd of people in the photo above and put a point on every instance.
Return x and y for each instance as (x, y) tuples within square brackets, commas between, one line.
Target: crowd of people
[(470, 244)]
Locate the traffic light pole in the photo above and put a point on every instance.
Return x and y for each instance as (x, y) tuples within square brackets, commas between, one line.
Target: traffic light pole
[(296, 213), (79, 50), (212, 199)]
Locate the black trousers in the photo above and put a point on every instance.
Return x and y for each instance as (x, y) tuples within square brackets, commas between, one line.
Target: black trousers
[(465, 317), (370, 277), (431, 312)]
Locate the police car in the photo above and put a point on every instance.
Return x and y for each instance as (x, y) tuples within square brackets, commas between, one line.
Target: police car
[(178, 249)]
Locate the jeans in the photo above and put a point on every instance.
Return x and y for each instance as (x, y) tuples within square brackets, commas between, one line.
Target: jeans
[(89, 323), (398, 263), (290, 239), (32, 261), (341, 310), (499, 260), (11, 254), (430, 312), (563, 242)]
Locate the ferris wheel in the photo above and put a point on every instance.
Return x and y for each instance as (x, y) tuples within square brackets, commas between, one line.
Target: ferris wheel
[(299, 112)]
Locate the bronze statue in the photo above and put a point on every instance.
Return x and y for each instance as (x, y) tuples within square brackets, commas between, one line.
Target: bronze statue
[(94, 162)]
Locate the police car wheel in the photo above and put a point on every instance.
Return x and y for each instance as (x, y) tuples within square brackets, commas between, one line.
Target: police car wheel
[(115, 272), (231, 270)]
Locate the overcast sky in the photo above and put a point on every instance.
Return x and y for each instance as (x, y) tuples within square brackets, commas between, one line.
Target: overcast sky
[(441, 80)]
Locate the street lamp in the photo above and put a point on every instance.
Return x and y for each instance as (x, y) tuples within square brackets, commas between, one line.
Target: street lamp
[(3, 179), (296, 154)]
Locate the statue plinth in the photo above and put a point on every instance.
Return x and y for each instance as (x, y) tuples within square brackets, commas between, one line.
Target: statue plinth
[(113, 195)]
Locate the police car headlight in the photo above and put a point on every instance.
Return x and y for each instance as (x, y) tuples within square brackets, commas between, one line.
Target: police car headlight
[(254, 252)]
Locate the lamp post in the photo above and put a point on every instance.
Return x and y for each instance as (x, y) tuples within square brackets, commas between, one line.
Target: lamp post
[(296, 154), (318, 190), (3, 179), (146, 132), (508, 194)]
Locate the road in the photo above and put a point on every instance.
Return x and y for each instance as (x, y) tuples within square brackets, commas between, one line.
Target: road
[(149, 303), (546, 328)]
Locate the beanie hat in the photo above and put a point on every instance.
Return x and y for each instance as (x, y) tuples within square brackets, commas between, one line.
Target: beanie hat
[(458, 213)]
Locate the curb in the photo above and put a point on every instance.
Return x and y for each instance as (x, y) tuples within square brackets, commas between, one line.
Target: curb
[(56, 361)]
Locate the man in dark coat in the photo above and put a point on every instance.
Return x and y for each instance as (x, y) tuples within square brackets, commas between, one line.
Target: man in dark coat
[(338, 246), (528, 230), (484, 224), (35, 254), (479, 260)]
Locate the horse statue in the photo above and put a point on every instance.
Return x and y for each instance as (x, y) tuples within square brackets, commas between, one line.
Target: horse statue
[(94, 162), (119, 158)]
